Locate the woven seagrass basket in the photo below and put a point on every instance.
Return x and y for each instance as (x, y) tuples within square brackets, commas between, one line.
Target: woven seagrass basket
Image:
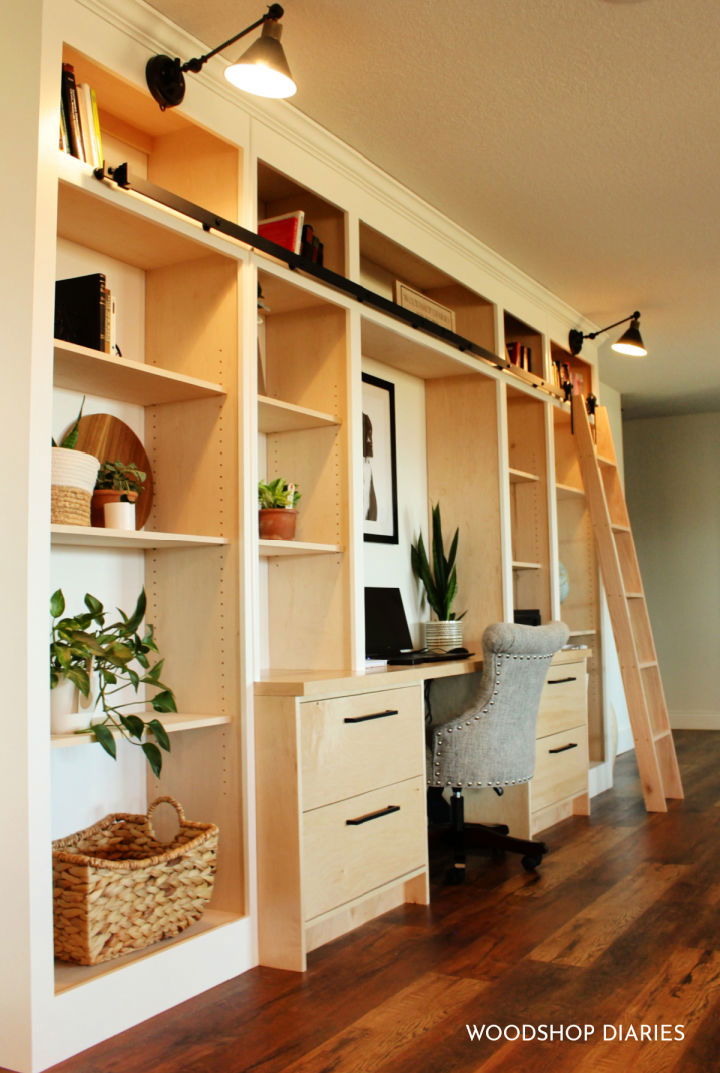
[(73, 480), (117, 888)]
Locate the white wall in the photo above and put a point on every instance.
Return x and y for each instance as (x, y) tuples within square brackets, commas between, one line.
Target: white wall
[(673, 490)]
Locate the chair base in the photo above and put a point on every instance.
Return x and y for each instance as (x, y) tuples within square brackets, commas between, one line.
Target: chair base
[(498, 840), (464, 836)]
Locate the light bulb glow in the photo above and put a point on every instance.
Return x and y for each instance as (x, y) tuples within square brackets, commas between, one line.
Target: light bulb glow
[(260, 79), (631, 350)]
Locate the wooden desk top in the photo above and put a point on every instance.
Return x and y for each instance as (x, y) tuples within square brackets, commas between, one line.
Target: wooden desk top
[(313, 684)]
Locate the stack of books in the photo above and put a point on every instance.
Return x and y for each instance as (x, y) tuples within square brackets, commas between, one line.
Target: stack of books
[(85, 312), (520, 355), (79, 120), (294, 234)]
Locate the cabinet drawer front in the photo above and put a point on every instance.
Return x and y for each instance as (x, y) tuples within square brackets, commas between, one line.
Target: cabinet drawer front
[(563, 703), (561, 766), (356, 845), (359, 743)]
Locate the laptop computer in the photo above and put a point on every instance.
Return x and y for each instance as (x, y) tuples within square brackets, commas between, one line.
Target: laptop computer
[(387, 635)]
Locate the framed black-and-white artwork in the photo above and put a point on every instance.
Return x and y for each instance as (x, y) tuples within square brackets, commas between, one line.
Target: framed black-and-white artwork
[(380, 508)]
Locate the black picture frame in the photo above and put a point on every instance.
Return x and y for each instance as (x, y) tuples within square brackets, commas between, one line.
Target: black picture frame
[(380, 505)]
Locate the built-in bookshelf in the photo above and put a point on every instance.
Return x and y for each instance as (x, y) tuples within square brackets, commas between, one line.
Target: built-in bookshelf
[(222, 393)]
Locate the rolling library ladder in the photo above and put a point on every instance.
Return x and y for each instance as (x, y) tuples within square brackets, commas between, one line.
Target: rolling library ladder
[(654, 746)]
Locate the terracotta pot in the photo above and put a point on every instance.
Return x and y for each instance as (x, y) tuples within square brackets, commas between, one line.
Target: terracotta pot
[(277, 523), (100, 497)]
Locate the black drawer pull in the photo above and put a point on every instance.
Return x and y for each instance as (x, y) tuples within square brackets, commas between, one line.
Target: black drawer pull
[(564, 748), (375, 715), (372, 816), (559, 681)]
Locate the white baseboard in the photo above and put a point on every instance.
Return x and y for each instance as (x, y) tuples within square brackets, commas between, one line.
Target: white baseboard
[(600, 778), (695, 720)]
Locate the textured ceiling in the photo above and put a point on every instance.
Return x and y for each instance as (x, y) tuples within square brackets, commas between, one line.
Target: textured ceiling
[(578, 138)]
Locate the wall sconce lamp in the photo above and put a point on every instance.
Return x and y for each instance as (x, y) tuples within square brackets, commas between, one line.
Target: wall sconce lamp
[(262, 70), (630, 342)]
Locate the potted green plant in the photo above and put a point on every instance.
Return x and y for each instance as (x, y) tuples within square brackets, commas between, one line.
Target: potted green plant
[(73, 478), (117, 488), (88, 653), (276, 502), (439, 580)]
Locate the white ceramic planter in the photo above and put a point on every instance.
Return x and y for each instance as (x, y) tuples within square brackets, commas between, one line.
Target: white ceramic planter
[(119, 515), (69, 709)]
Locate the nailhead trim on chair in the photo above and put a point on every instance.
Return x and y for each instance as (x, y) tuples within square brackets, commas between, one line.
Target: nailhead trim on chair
[(485, 711)]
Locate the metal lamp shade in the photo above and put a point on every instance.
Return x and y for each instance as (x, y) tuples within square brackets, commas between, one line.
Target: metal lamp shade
[(630, 342), (263, 69)]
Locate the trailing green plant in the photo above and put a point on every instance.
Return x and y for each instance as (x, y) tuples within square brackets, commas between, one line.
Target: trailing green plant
[(70, 438), (277, 493), (121, 477), (440, 578), (86, 643)]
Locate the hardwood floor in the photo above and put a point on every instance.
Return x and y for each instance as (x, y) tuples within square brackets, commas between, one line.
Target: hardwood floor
[(619, 929)]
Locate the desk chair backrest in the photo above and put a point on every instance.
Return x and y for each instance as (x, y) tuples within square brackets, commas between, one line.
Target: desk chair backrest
[(492, 742)]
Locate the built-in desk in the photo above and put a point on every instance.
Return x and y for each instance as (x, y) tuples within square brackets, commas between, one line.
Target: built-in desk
[(341, 819)]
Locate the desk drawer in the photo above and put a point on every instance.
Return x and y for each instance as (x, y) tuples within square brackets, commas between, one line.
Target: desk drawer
[(354, 744), (563, 702), (343, 861), (561, 767)]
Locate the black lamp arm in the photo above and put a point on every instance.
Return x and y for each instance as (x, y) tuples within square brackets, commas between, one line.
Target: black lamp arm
[(633, 316), (274, 12)]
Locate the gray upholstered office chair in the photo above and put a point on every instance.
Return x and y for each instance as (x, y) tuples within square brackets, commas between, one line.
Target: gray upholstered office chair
[(492, 741)]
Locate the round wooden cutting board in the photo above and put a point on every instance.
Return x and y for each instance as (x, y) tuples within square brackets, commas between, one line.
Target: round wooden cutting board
[(111, 440)]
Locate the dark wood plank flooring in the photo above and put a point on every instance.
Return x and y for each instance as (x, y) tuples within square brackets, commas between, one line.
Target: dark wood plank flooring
[(619, 928)]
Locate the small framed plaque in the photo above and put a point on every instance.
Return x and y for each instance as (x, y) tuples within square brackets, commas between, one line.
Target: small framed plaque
[(417, 302)]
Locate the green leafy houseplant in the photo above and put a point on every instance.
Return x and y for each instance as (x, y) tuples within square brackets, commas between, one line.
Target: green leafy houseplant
[(276, 494), (439, 578), (87, 643), (121, 477), (72, 435)]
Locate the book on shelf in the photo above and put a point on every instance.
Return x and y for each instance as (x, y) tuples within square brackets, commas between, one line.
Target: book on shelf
[(519, 355), (81, 310), (71, 107), (284, 230), (90, 125), (311, 246), (80, 133)]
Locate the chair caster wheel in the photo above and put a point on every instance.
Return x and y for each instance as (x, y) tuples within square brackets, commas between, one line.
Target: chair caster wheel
[(455, 876), (531, 861)]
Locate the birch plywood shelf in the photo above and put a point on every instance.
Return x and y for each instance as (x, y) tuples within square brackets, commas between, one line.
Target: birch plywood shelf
[(274, 415), (568, 491), (77, 368), (520, 476), (173, 723), (272, 549), (86, 536)]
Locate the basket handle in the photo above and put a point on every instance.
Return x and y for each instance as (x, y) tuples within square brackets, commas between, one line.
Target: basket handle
[(159, 801)]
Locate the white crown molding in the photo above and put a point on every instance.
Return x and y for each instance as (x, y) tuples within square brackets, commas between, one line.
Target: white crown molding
[(157, 33)]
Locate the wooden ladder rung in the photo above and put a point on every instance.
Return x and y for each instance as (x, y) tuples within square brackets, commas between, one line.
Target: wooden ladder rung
[(660, 734), (634, 595), (647, 663)]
